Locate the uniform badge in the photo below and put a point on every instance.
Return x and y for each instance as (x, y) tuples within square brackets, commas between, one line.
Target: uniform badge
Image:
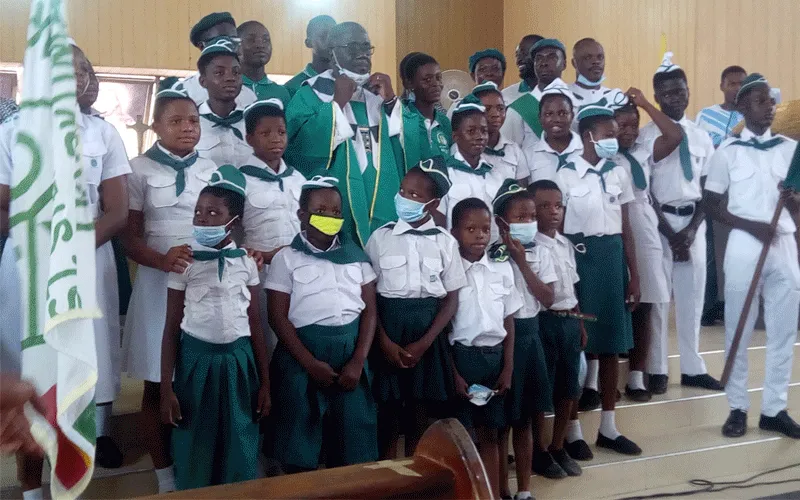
[(366, 138)]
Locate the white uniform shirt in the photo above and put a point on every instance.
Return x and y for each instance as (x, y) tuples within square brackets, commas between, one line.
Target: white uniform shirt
[(215, 310), (563, 256), (411, 266), (199, 94), (592, 209), (270, 215), (511, 160), (543, 159), (103, 154), (220, 144), (541, 263), (584, 96), (669, 186), (322, 293), (513, 92), (167, 216), (750, 177), (489, 297)]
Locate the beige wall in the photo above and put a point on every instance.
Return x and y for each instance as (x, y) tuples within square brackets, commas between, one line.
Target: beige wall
[(705, 35)]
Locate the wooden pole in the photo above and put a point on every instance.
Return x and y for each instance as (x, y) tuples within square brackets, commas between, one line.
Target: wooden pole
[(748, 301)]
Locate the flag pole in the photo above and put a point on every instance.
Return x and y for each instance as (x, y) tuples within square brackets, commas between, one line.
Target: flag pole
[(748, 301)]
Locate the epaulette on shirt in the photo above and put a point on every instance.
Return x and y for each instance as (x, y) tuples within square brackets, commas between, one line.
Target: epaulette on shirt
[(499, 253)]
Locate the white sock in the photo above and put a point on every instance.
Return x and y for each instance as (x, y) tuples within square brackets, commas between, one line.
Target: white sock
[(34, 494), (592, 368), (166, 479), (102, 416), (636, 380), (523, 495), (574, 432), (607, 426)]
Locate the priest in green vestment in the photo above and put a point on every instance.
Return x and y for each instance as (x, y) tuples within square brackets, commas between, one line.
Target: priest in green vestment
[(316, 40), (345, 123)]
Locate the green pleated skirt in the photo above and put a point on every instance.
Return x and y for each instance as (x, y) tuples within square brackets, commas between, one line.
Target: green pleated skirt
[(216, 442), (480, 365), (601, 291), (561, 341), (529, 392), (430, 380), (301, 409)]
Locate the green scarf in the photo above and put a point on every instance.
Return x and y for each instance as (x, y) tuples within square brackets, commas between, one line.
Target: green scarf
[(528, 108), (495, 152), (686, 157), (637, 172), (483, 167), (608, 166), (228, 122), (419, 232), (761, 146), (562, 160), (179, 166), (346, 253), (219, 255), (266, 174)]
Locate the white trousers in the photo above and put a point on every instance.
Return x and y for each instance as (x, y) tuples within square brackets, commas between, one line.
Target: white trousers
[(687, 284), (779, 287)]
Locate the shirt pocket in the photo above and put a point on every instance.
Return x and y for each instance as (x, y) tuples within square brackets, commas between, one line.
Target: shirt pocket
[(198, 309), (613, 193), (432, 268), (308, 280), (354, 273), (499, 291), (534, 262), (241, 295), (207, 142), (162, 191), (394, 274), (93, 153), (699, 158)]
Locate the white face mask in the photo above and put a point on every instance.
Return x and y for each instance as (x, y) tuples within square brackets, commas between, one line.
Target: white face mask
[(356, 77)]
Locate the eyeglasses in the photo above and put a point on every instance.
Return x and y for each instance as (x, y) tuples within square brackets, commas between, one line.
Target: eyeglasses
[(356, 49)]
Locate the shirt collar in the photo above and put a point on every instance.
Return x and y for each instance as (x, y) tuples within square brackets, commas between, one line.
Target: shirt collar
[(204, 108), (684, 121), (582, 166), (575, 143), (484, 261), (264, 81), (403, 227), (334, 244), (310, 71), (229, 246), (501, 143), (257, 162), (171, 155), (551, 242), (458, 156), (748, 134)]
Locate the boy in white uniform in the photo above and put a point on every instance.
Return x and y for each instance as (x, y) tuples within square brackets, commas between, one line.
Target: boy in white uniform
[(676, 187), (749, 169)]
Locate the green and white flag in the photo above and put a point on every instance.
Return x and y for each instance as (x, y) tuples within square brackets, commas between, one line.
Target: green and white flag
[(53, 234)]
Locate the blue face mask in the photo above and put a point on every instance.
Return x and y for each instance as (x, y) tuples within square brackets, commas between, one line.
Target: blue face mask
[(525, 232), (409, 210), (585, 81), (210, 236), (605, 148)]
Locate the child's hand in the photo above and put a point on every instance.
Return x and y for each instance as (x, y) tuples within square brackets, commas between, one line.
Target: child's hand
[(170, 408), (633, 293), (415, 352), (515, 248), (322, 373), (350, 375), (504, 382), (462, 389), (264, 402), (396, 355), (177, 259), (269, 255), (256, 256), (637, 97), (584, 336)]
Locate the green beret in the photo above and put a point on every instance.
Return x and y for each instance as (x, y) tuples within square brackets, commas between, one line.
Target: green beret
[(486, 87), (320, 182), (548, 42), (751, 81), (509, 188), (221, 45), (436, 170), (470, 102), (207, 22), (228, 177), (168, 83), (273, 103), (597, 109), (482, 54)]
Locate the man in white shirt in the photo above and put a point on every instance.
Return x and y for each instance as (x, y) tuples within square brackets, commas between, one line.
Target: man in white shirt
[(589, 61)]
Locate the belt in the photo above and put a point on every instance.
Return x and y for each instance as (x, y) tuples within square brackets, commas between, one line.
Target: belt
[(680, 211), (574, 315)]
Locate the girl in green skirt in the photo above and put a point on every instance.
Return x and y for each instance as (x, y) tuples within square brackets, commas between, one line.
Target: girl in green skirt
[(419, 273), (221, 388)]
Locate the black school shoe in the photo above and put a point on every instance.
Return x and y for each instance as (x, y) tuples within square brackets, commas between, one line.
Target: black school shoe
[(638, 395), (107, 454), (703, 381), (567, 463), (658, 384), (736, 425), (621, 445), (579, 450), (545, 465), (782, 423), (590, 400)]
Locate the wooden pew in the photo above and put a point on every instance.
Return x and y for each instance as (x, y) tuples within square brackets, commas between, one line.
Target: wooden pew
[(445, 465)]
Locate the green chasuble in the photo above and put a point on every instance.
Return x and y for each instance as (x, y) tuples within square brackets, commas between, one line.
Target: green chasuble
[(267, 89), (293, 85), (368, 197), (528, 108), (417, 146)]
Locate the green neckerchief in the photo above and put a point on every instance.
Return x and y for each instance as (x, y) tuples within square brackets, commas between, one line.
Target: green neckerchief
[(685, 156), (219, 255), (496, 152), (608, 166), (761, 146), (418, 232), (528, 108), (483, 167), (524, 87), (562, 159), (346, 253), (179, 166), (266, 174), (228, 122), (637, 172)]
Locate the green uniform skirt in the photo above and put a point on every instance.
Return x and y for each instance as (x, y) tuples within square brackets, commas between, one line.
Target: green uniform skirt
[(480, 365), (301, 409), (431, 379), (216, 441), (561, 341), (601, 291), (529, 384)]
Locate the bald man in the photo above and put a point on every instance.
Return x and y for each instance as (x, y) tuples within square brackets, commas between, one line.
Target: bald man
[(526, 72), (316, 38), (589, 61)]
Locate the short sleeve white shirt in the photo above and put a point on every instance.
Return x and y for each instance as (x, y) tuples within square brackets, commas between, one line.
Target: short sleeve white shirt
[(566, 269), (541, 263), (509, 157), (543, 160), (220, 144)]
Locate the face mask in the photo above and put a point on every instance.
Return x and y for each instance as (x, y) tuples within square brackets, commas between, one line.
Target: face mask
[(210, 236), (605, 148), (326, 225), (525, 232), (585, 81), (480, 395), (409, 210), (356, 77)]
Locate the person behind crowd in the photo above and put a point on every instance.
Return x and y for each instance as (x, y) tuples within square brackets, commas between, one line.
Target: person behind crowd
[(742, 190), (207, 29), (482, 338), (488, 65), (321, 298), (589, 61), (558, 141), (522, 55), (343, 123), (221, 118), (598, 194), (534, 278), (316, 40), (502, 154), (419, 274), (676, 189), (635, 156), (256, 52), (720, 120)]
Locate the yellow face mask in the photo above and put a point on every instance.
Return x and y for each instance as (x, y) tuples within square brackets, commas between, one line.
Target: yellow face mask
[(325, 224)]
